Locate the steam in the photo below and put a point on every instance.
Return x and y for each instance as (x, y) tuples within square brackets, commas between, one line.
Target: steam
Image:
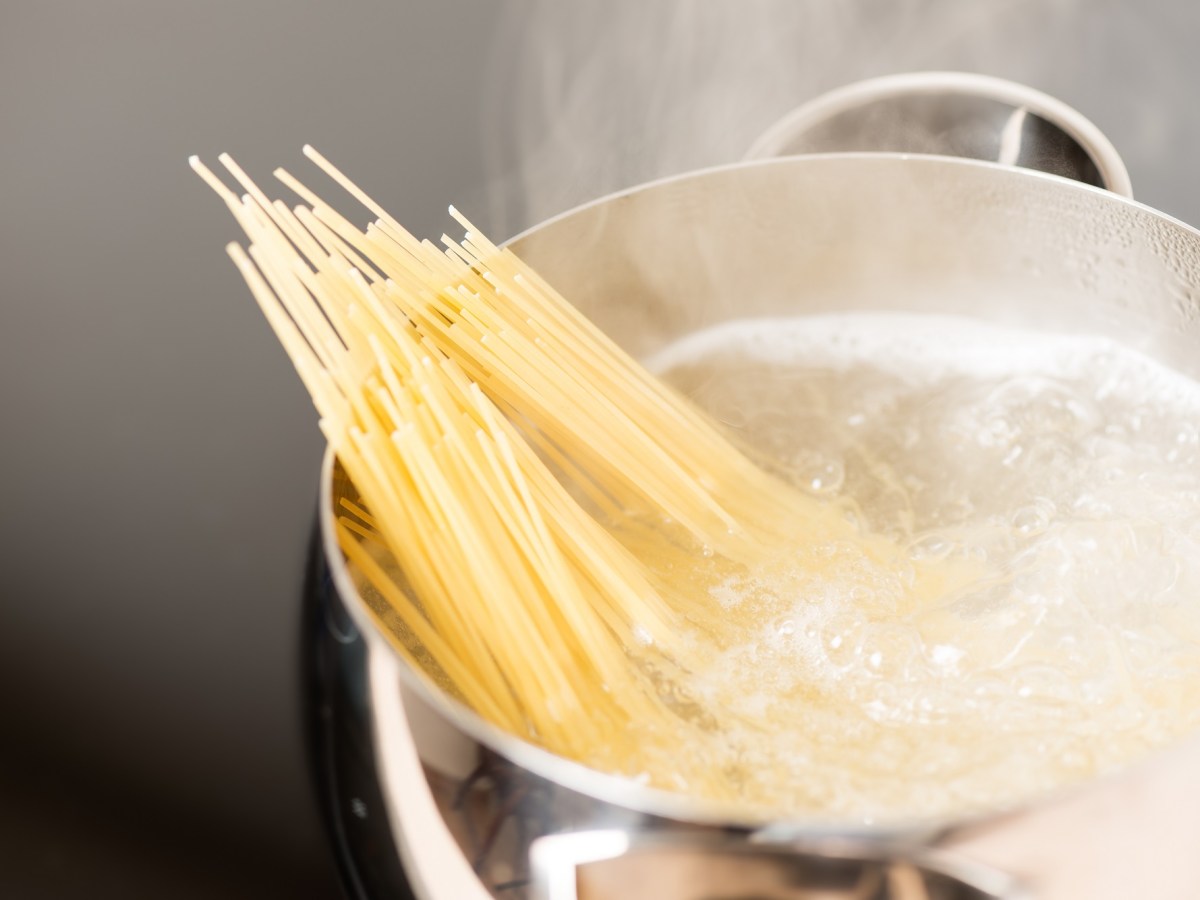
[(591, 96)]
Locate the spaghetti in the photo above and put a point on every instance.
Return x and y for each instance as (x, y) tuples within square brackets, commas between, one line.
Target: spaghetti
[(533, 497)]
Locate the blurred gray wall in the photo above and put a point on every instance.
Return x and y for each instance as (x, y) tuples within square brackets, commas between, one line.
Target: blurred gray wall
[(158, 461), (159, 457)]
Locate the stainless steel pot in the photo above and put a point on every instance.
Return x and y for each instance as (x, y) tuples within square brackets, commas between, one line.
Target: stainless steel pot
[(475, 812)]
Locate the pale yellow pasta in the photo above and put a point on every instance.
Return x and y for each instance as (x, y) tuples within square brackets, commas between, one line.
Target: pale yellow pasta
[(501, 551)]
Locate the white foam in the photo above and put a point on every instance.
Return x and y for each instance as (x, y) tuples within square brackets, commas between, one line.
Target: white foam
[(928, 348), (1066, 467)]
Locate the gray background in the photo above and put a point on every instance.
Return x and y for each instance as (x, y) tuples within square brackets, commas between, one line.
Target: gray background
[(158, 463)]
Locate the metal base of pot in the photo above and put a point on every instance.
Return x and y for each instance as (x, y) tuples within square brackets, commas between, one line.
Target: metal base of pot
[(334, 656)]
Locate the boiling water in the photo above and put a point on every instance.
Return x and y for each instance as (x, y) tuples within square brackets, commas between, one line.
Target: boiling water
[(1059, 476)]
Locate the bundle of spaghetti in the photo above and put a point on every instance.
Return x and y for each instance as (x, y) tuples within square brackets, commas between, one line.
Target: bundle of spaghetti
[(521, 601), (533, 501), (622, 437)]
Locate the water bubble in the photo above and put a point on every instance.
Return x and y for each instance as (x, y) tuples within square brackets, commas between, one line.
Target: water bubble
[(841, 638), (1049, 456), (932, 706), (861, 595), (828, 479), (727, 406), (818, 473), (891, 649), (930, 547), (1032, 520), (1036, 405)]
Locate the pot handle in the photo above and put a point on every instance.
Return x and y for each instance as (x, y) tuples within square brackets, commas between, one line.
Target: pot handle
[(618, 865), (951, 114)]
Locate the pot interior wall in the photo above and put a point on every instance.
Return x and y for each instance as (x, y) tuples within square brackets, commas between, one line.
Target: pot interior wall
[(881, 233)]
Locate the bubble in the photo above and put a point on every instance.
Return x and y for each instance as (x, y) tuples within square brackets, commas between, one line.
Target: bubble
[(930, 548), (826, 479), (1032, 520), (841, 638), (933, 705), (861, 596), (1035, 405), (1048, 455), (890, 650)]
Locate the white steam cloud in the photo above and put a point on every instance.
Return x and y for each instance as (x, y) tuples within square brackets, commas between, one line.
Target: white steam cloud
[(590, 96)]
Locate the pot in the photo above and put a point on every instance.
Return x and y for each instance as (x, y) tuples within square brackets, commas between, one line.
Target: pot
[(472, 812)]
